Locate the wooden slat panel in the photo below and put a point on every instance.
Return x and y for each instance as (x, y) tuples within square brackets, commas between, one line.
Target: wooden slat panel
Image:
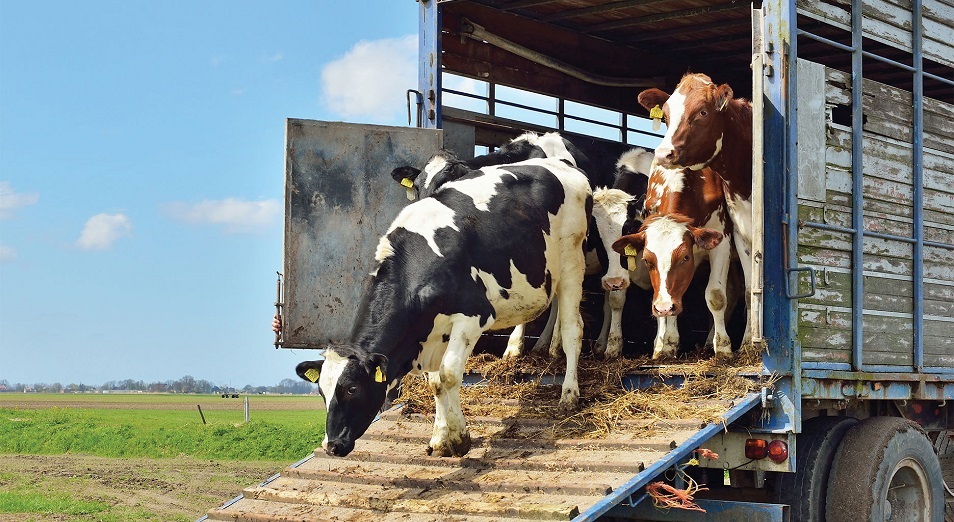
[(889, 111), (885, 23)]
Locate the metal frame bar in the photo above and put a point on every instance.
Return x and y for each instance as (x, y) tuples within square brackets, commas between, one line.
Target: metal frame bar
[(560, 114), (675, 456), (429, 68)]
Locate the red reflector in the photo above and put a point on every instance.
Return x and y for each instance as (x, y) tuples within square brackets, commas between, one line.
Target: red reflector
[(778, 451), (756, 449)]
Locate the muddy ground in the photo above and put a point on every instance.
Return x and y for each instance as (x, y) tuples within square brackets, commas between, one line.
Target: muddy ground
[(178, 489)]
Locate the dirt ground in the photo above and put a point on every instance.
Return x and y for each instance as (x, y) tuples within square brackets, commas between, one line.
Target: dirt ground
[(179, 489)]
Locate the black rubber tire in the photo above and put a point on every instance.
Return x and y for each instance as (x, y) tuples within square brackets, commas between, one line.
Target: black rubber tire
[(885, 470), (806, 490)]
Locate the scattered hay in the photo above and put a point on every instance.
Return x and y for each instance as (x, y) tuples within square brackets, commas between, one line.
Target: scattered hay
[(529, 387)]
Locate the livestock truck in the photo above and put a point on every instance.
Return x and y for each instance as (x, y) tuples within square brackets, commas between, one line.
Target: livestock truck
[(852, 298)]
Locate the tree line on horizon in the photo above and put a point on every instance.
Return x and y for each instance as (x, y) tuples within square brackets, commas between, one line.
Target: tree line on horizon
[(185, 384)]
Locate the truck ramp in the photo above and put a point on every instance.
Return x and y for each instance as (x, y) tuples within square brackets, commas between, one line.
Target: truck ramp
[(515, 470)]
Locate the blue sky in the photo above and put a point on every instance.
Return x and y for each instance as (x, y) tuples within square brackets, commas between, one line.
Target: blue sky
[(141, 174)]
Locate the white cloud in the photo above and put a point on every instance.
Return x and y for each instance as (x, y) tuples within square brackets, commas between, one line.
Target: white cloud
[(102, 230), (234, 214), (277, 57), (11, 200), (7, 254), (371, 80)]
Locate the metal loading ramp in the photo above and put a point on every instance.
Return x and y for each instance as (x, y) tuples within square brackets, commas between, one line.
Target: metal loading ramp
[(510, 473)]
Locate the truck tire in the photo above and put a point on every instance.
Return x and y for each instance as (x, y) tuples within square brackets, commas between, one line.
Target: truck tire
[(806, 490), (885, 470)]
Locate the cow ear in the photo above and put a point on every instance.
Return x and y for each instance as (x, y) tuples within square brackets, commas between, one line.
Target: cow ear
[(637, 241), (651, 98), (377, 366), (407, 172), (706, 238), (723, 95), (309, 370)]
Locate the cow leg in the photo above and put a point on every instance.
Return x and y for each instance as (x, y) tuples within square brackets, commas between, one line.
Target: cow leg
[(450, 437), (569, 294), (667, 338), (610, 343), (515, 342), (716, 299), (547, 338), (744, 249)]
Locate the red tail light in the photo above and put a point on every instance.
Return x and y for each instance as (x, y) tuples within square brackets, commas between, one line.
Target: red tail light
[(778, 451), (756, 449)]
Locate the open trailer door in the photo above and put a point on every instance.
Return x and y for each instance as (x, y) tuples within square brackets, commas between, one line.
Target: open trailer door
[(339, 200)]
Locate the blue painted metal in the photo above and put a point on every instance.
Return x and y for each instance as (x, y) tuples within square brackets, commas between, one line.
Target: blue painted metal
[(783, 357), (429, 68), (671, 459), (715, 510)]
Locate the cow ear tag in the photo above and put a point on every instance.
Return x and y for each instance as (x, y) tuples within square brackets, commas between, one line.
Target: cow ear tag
[(409, 185), (312, 375), (725, 101), (630, 254), (656, 114), (378, 375)]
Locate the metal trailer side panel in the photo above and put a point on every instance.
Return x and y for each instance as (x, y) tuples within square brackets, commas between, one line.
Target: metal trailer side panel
[(340, 199)]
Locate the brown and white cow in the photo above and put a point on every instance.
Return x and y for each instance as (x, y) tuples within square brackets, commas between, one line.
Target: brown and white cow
[(708, 128), (688, 223)]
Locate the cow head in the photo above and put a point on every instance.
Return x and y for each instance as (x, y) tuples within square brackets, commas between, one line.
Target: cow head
[(668, 243), (609, 214), (354, 387), (695, 118), (442, 167)]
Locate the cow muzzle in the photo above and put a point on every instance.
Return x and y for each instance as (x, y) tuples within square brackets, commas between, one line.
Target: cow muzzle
[(615, 283), (665, 309), (665, 156), (338, 448)]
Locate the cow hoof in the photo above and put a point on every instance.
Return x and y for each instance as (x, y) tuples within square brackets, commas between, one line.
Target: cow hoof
[(450, 448), (661, 356), (723, 355), (511, 352), (569, 401)]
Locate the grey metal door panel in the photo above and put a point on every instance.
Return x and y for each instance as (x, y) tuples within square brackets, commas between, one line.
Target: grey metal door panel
[(339, 200)]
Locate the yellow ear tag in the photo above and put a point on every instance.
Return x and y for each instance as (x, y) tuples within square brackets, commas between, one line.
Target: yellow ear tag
[(312, 375), (408, 184), (630, 254), (656, 114), (724, 103), (378, 375)]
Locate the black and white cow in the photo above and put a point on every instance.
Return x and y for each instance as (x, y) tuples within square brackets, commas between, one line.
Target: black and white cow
[(440, 169), (445, 166), (487, 251)]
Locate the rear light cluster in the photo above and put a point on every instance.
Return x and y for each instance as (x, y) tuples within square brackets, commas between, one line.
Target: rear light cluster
[(775, 450)]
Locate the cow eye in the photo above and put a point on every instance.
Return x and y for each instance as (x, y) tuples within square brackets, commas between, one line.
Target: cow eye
[(703, 113), (686, 258), (352, 390)]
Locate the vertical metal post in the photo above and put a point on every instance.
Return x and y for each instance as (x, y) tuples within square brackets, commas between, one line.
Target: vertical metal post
[(917, 96), (429, 67), (246, 409), (857, 189), (779, 236)]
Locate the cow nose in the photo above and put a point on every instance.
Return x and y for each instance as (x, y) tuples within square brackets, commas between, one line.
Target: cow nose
[(332, 448), (664, 311), (665, 156), (615, 283)]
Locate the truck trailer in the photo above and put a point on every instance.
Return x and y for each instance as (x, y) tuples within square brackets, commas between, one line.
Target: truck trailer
[(852, 297)]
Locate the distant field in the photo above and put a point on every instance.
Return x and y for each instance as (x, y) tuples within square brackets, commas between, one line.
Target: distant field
[(108, 457), (161, 425)]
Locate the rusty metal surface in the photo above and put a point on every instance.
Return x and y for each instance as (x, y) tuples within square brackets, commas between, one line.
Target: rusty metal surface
[(339, 199)]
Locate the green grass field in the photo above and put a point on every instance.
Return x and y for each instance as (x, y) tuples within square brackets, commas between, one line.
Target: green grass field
[(143, 456), (160, 425)]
